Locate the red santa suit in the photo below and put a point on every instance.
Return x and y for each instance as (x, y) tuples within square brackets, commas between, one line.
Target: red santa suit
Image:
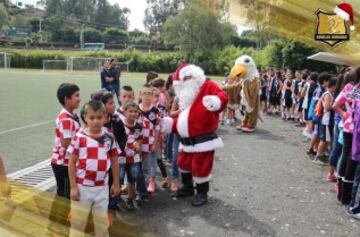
[(196, 124)]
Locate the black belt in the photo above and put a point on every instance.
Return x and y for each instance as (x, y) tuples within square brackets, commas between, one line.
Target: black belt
[(190, 141)]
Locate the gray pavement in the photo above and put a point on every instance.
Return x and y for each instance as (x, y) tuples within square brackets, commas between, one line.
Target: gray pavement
[(263, 185)]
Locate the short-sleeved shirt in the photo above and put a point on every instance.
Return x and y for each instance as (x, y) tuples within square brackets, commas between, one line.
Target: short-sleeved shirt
[(129, 154), (349, 95), (150, 122), (66, 126), (94, 155)]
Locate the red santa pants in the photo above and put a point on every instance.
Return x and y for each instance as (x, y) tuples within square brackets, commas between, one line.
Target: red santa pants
[(200, 164)]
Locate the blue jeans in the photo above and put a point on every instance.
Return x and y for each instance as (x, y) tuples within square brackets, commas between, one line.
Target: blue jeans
[(169, 147), (141, 183), (354, 206), (149, 164), (336, 151), (175, 146), (113, 201), (131, 170), (113, 88)]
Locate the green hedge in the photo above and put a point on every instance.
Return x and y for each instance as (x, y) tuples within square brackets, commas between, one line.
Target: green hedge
[(216, 62), (141, 61)]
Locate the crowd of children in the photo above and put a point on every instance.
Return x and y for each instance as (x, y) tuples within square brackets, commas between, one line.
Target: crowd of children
[(113, 151), (328, 108)]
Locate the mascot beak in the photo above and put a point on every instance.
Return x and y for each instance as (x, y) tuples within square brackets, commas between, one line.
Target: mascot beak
[(238, 71)]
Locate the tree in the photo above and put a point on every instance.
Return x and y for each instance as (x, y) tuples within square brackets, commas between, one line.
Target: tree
[(116, 36), (4, 16), (198, 29), (159, 11)]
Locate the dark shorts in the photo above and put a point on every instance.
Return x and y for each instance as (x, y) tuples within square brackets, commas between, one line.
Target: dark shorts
[(263, 97), (132, 172), (272, 100), (306, 117), (325, 133)]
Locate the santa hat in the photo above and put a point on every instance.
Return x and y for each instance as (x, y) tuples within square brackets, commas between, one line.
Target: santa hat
[(188, 70), (345, 11)]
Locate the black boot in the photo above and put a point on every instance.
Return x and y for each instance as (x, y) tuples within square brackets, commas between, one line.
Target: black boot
[(339, 194), (201, 195), (346, 192), (187, 189)]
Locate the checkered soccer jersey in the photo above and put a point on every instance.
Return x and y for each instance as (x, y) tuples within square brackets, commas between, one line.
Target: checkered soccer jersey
[(94, 156), (129, 155), (66, 126), (150, 121)]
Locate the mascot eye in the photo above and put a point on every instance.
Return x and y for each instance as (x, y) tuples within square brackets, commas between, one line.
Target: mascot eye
[(247, 60)]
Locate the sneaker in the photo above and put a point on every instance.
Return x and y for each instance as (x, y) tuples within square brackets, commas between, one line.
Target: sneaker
[(151, 186), (165, 182), (320, 160), (331, 178), (353, 215), (129, 205), (232, 122), (227, 121), (222, 122), (124, 190), (141, 199), (306, 134), (311, 152)]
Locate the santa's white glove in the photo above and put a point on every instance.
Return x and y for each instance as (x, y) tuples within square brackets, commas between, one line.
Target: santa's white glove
[(212, 102), (166, 125)]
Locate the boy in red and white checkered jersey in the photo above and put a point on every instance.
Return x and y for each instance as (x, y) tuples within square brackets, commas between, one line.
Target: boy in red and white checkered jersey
[(92, 152), (66, 125), (126, 95), (150, 121), (130, 158)]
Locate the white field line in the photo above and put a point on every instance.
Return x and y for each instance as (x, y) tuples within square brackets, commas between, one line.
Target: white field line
[(25, 127)]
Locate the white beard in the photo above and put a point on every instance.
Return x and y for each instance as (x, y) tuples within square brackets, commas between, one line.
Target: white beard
[(187, 92)]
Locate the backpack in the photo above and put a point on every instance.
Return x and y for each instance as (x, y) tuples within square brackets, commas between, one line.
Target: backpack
[(355, 150), (318, 111)]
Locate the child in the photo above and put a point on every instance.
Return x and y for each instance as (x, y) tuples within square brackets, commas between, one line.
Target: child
[(310, 87), (174, 113), (327, 121), (234, 100), (287, 94), (92, 151), (127, 94), (151, 76), (348, 98), (130, 160), (323, 79), (115, 125), (66, 125), (275, 89), (302, 90), (163, 113), (150, 121), (296, 95), (263, 92)]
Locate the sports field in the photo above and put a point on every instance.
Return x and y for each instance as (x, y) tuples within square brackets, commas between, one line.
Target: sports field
[(28, 107)]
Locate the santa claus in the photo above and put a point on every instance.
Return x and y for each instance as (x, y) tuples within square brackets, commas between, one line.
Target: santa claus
[(201, 101)]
